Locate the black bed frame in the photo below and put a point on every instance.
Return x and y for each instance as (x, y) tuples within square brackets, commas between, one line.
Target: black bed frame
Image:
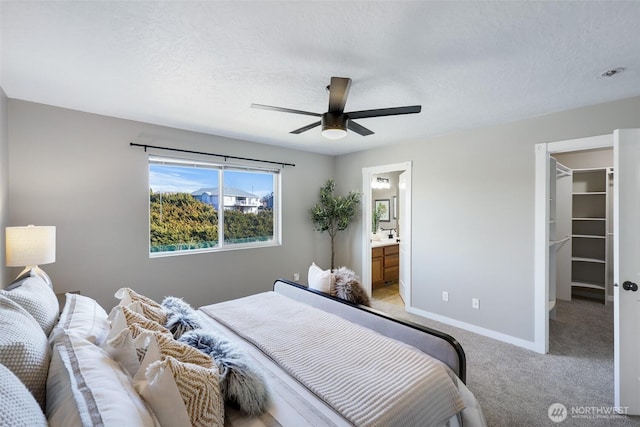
[(437, 344)]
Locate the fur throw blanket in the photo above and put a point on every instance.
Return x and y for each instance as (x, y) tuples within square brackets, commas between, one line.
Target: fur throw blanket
[(240, 382), (348, 287)]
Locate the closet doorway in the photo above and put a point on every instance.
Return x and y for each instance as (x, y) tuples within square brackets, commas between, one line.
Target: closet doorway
[(386, 260), (547, 239), (626, 248)]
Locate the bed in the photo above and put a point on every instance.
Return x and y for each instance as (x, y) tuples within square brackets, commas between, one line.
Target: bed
[(292, 356)]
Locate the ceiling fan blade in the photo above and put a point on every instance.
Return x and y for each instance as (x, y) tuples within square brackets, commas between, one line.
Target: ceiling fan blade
[(396, 111), (338, 92), (358, 128), (305, 128), (284, 110)]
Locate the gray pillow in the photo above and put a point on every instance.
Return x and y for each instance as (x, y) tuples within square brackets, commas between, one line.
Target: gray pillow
[(24, 348), (35, 296), (241, 382), (347, 287), (18, 408)]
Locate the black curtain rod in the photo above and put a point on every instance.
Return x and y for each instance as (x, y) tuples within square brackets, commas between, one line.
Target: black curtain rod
[(224, 156)]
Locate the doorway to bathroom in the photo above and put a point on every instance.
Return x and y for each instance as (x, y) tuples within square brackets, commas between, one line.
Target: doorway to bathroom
[(386, 246)]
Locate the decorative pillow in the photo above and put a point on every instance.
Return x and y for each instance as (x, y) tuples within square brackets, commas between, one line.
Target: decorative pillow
[(179, 323), (18, 408), (242, 384), (127, 350), (182, 394), (35, 296), (181, 351), (347, 287), (87, 388), (84, 317), (181, 317), (319, 279), (173, 305), (147, 307), (23, 347), (127, 295), (122, 317)]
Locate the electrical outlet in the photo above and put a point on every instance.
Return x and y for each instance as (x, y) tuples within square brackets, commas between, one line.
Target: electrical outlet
[(475, 303), (445, 296), (296, 276)]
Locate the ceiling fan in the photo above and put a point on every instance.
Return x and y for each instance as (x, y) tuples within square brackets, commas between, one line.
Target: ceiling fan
[(335, 122)]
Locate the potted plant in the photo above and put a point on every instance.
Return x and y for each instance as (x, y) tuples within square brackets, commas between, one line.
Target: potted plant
[(334, 213)]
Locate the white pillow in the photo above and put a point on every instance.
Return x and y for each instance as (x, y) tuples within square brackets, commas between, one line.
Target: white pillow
[(35, 296), (319, 279), (23, 347), (145, 306), (18, 408), (86, 387), (180, 394), (84, 317), (125, 349)]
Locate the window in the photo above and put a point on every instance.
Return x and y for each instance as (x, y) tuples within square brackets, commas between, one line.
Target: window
[(199, 207)]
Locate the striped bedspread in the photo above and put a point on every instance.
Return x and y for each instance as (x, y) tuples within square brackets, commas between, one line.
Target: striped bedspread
[(369, 379)]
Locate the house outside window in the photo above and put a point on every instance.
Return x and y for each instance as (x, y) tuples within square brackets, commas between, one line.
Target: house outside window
[(235, 199), (186, 216)]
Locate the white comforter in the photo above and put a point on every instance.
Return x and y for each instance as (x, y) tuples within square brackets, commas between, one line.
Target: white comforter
[(370, 379)]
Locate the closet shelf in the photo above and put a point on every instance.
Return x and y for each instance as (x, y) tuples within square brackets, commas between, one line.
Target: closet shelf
[(589, 193), (590, 208), (582, 259), (588, 285)]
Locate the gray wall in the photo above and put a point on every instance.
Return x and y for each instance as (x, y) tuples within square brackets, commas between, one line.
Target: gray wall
[(473, 212), (4, 184), (77, 171)]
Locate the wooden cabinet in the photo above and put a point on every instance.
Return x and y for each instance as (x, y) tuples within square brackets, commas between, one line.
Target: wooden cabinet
[(377, 267), (391, 263), (385, 262)]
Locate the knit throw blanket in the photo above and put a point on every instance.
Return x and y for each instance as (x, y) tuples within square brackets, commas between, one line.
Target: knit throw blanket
[(368, 378)]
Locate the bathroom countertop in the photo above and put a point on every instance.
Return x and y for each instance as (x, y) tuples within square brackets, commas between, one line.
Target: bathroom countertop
[(383, 242)]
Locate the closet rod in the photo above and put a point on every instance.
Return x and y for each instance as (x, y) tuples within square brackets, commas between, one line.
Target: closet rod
[(557, 242), (224, 156), (562, 169)]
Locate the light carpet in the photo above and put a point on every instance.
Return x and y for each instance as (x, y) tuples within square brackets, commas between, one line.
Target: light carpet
[(516, 387)]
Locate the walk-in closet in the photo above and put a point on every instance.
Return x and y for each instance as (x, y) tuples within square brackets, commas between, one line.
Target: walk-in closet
[(580, 228)]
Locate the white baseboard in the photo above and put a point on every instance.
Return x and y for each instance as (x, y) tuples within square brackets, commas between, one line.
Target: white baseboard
[(529, 345)]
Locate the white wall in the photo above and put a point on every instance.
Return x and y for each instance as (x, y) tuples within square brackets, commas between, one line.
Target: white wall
[(4, 185), (473, 221), (77, 171)]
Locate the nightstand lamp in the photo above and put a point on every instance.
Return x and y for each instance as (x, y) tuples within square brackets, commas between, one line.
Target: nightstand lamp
[(31, 246)]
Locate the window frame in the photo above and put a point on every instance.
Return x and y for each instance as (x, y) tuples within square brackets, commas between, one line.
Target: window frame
[(221, 246)]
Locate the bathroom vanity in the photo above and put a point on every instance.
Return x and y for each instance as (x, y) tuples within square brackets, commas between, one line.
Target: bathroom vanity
[(385, 261)]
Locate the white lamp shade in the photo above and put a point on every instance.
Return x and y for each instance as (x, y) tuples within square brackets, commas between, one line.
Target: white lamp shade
[(30, 246)]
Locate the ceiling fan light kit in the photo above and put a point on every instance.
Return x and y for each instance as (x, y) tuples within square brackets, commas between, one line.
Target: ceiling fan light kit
[(334, 126), (335, 122)]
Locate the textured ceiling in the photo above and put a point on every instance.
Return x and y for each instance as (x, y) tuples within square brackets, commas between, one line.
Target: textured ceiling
[(199, 65)]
